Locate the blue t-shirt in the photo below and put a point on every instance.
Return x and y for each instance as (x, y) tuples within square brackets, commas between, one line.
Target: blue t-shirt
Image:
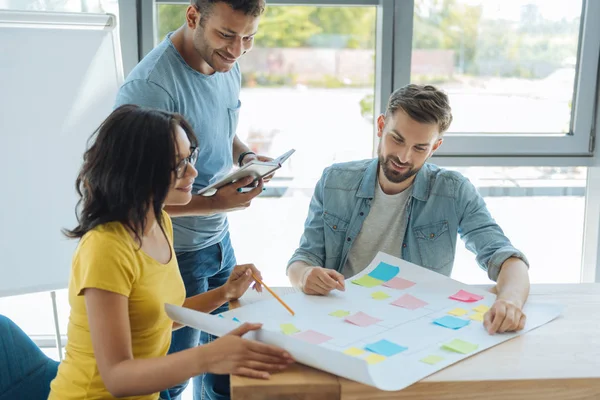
[(211, 104)]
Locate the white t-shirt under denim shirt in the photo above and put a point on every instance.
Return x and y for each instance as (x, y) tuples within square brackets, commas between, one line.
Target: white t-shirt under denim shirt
[(210, 103), (382, 230)]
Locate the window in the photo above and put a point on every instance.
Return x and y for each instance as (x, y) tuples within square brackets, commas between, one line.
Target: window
[(513, 71), (541, 210)]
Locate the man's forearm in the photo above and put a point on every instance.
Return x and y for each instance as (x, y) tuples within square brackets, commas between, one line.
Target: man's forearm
[(199, 205), (513, 281), (238, 148), (296, 272)]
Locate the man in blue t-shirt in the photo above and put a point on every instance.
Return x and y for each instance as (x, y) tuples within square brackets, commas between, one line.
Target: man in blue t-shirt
[(194, 72)]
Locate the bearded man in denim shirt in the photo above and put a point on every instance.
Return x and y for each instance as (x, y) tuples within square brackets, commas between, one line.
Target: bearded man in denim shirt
[(406, 207)]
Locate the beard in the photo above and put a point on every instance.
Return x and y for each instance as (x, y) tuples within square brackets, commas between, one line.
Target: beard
[(208, 53), (391, 174)]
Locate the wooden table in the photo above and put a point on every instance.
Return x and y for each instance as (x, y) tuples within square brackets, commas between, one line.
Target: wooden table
[(558, 361)]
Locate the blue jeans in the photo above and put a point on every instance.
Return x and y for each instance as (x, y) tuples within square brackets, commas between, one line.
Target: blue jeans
[(25, 371), (203, 270)]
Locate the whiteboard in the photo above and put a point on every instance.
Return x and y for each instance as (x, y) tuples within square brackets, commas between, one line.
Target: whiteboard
[(59, 75)]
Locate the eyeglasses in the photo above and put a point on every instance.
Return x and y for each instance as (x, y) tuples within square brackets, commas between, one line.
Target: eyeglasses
[(181, 168)]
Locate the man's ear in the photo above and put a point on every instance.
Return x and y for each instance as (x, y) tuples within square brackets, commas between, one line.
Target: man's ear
[(437, 145), (192, 17), (380, 125)]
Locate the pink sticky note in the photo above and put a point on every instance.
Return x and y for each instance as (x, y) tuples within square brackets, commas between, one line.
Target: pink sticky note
[(409, 302), (398, 283), (312, 337), (463, 295), (362, 319)]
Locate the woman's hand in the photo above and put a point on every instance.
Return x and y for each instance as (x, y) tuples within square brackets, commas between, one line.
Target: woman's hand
[(232, 354), (240, 280)]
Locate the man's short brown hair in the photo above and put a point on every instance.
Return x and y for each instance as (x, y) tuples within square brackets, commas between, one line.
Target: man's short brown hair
[(254, 8), (423, 103)]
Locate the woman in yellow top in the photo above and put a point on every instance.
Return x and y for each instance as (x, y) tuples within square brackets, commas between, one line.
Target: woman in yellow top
[(124, 269)]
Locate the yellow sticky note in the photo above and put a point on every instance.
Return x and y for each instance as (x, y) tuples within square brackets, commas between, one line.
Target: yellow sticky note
[(367, 281), (476, 316), (374, 359), (482, 308), (380, 295), (354, 351), (460, 346), (431, 360), (458, 312), (289, 329), (339, 313)]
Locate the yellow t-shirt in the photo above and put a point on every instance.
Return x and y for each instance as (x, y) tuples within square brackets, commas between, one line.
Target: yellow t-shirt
[(107, 258)]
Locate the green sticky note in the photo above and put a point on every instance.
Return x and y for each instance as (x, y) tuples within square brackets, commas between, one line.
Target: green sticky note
[(460, 346), (380, 295), (367, 281), (289, 329), (339, 313), (431, 360)]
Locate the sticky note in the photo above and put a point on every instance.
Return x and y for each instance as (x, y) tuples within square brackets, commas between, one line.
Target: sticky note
[(431, 360), (354, 351), (289, 329), (367, 281), (339, 313), (374, 359), (362, 319), (312, 337), (451, 322), (410, 302), (398, 283), (385, 348), (221, 316), (463, 295), (380, 295), (460, 346), (476, 316), (458, 312), (482, 308), (384, 272), (236, 320)]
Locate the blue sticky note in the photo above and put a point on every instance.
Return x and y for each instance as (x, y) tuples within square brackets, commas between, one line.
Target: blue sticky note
[(385, 348), (384, 272), (451, 322), (236, 320), (221, 316)]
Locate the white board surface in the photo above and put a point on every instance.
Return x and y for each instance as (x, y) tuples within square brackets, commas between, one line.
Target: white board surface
[(59, 75)]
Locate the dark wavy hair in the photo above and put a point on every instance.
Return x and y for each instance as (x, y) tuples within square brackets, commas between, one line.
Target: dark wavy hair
[(128, 168)]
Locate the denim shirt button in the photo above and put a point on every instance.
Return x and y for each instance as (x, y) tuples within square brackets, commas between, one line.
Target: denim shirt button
[(404, 245), (361, 213), (349, 239), (432, 235), (335, 227)]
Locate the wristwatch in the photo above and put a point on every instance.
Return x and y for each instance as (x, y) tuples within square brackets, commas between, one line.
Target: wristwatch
[(241, 157)]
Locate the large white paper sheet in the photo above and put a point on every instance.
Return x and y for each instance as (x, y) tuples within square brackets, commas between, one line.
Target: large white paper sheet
[(412, 329)]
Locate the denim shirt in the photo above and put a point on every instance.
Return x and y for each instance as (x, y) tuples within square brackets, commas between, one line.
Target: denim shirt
[(443, 204)]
